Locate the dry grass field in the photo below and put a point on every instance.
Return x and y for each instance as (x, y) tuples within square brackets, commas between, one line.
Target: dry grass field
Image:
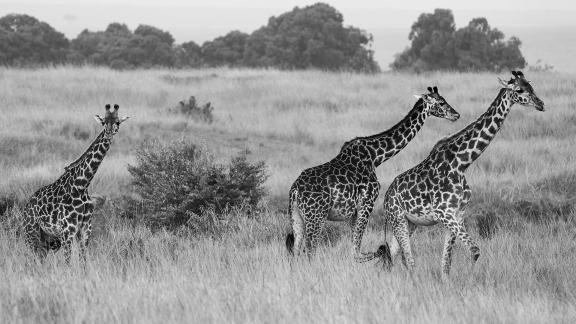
[(524, 193)]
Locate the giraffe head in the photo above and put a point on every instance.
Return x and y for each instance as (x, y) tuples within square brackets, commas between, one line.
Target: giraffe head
[(111, 122), (522, 92), (437, 106)]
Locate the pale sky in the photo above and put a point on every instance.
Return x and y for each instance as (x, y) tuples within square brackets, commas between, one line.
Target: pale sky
[(202, 20)]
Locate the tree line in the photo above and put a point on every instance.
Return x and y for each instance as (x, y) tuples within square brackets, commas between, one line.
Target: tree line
[(309, 37), (436, 44)]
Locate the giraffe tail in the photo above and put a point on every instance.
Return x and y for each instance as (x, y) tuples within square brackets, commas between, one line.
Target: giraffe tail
[(384, 256), (383, 252), (290, 243), (296, 221)]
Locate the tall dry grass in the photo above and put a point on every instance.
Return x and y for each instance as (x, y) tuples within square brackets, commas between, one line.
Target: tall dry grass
[(523, 186)]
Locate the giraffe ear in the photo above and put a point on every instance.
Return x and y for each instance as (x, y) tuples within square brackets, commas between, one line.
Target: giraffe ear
[(123, 119), (99, 119), (418, 96)]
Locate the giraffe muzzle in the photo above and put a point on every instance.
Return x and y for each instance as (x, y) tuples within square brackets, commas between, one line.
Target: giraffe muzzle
[(454, 117), (538, 104)]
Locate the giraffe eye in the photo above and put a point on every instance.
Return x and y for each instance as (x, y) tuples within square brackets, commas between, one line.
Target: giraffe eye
[(520, 91)]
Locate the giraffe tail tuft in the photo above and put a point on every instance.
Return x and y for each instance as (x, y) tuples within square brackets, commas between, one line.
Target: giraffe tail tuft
[(290, 243), (384, 256)]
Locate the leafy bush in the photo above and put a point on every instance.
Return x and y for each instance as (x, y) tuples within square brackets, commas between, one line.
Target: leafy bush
[(193, 110), (176, 183), (6, 202)]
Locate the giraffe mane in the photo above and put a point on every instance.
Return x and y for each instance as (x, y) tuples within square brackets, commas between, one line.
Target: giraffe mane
[(347, 144), (75, 163), (448, 139)]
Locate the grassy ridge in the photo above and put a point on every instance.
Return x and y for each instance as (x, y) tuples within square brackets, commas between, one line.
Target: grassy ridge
[(524, 183)]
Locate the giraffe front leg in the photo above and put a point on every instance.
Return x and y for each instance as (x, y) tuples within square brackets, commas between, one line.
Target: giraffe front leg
[(456, 226), (34, 240), (68, 238), (84, 239), (447, 253)]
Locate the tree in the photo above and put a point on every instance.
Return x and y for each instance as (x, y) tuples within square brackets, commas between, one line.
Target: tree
[(24, 40), (432, 43), (151, 31), (188, 54), (310, 37), (119, 48), (225, 50), (479, 47), (436, 45)]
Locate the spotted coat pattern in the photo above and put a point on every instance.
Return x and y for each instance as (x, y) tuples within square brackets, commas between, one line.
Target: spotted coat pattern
[(436, 191), (345, 188), (59, 213)]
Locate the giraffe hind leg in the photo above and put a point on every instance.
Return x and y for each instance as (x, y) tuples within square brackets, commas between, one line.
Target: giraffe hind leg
[(313, 225), (362, 216), (402, 232)]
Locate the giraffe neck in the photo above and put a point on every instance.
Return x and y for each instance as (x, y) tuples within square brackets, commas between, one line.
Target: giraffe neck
[(82, 171), (385, 145), (469, 143)]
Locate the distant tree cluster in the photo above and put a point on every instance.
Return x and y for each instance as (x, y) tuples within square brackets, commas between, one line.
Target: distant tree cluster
[(437, 45), (26, 41), (120, 48), (309, 37)]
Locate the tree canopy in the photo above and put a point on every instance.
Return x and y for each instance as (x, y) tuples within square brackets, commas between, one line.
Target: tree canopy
[(310, 37), (120, 48), (24, 40), (437, 45)]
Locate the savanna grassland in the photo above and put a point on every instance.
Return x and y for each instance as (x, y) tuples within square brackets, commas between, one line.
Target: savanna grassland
[(522, 208)]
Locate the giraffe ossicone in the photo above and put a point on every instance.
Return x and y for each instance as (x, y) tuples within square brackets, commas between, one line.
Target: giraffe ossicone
[(59, 214), (345, 188), (436, 191)]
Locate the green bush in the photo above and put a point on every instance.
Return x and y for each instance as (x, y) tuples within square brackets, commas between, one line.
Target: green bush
[(175, 183)]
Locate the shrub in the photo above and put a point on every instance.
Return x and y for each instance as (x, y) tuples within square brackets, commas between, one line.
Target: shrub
[(191, 109), (6, 202), (175, 184), (487, 224)]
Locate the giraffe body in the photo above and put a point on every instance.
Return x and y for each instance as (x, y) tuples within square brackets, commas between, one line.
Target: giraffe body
[(435, 191), (345, 188), (59, 214)]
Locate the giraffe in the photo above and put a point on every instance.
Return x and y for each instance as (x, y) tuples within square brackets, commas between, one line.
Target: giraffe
[(345, 188), (436, 191), (59, 213)]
